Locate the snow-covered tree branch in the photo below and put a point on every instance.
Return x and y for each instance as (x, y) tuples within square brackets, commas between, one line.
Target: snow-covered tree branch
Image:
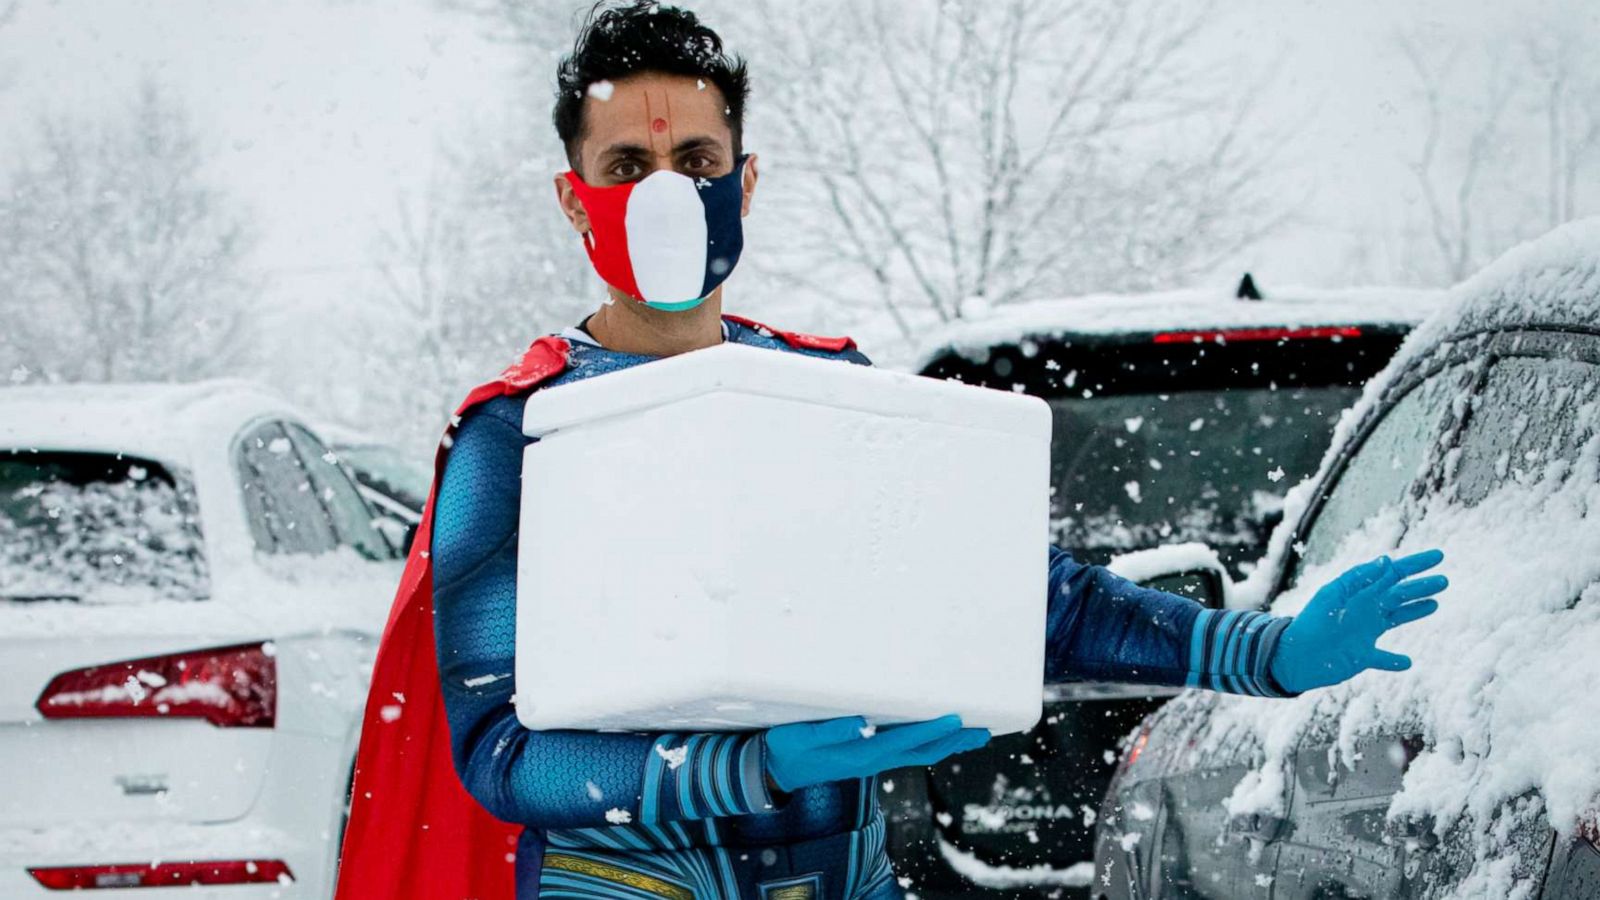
[(118, 259), (943, 158), (1510, 140), (468, 270)]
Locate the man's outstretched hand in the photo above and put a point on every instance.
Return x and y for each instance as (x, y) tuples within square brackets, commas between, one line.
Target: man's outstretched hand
[(1335, 637), (810, 753)]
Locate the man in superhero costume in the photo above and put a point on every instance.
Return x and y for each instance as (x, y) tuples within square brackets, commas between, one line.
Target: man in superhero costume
[(454, 799)]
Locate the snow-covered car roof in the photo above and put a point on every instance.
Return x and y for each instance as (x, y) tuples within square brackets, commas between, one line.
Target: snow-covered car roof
[(163, 422), (1181, 310), (1554, 280), (193, 426)]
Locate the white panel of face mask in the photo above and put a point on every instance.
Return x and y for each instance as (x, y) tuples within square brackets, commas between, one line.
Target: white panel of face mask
[(736, 538), (666, 225)]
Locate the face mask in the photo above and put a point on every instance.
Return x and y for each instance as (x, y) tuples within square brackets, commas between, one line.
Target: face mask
[(666, 240)]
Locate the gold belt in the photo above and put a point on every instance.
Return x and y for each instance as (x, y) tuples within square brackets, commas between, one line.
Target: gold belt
[(617, 874)]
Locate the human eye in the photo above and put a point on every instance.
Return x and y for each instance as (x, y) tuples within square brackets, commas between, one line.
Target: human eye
[(700, 164), (626, 170)]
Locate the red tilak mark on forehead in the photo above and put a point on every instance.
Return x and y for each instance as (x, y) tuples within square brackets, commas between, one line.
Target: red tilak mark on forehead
[(659, 125)]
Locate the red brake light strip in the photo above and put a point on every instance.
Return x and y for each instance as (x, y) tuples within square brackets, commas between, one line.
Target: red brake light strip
[(166, 874), (1324, 332)]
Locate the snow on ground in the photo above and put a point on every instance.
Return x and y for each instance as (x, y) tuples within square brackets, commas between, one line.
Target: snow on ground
[(1503, 682)]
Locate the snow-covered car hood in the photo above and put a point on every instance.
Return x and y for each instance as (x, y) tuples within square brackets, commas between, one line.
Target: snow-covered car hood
[(1504, 680)]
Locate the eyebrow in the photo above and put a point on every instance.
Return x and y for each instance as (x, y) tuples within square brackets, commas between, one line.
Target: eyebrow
[(698, 142)]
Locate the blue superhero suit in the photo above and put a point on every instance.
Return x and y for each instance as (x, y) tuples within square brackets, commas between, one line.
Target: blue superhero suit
[(691, 815)]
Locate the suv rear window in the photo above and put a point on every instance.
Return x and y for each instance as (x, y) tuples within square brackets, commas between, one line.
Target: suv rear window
[(1137, 470), (96, 528), (1161, 440)]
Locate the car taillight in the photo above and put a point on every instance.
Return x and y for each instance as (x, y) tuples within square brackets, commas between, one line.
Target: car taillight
[(165, 874), (1223, 335), (1134, 749), (234, 686)]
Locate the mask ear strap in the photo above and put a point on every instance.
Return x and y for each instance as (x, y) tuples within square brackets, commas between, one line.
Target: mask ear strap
[(588, 240)]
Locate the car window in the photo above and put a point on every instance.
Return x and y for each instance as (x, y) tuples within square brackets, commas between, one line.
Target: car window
[(97, 528), (1138, 470), (352, 520), (388, 471), (1386, 465), (285, 513), (1530, 423)]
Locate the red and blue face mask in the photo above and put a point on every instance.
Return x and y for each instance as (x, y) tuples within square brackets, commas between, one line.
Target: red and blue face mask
[(666, 240)]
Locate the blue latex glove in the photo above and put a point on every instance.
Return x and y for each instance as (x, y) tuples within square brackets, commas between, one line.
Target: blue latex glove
[(1334, 638), (810, 753)]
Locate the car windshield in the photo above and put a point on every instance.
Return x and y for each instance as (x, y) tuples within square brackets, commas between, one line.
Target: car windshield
[(1136, 470), (96, 528)]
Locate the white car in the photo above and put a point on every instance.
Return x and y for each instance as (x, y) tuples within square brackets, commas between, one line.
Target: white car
[(191, 590)]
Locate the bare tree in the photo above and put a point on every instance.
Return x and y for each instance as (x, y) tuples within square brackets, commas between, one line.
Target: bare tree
[(1563, 59), (1452, 188), (970, 154), (8, 14), (544, 26), (118, 261), (1511, 136), (470, 271), (925, 160)]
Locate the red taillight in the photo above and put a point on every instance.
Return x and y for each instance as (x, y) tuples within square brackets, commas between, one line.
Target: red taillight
[(1134, 749), (228, 686), (166, 874), (1326, 332)]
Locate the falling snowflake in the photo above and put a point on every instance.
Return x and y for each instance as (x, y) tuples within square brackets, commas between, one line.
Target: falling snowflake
[(674, 757)]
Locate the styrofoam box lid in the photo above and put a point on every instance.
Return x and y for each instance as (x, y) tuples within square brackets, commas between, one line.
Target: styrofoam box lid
[(789, 376)]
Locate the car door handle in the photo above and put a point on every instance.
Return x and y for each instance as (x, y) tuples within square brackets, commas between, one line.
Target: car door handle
[(1258, 827)]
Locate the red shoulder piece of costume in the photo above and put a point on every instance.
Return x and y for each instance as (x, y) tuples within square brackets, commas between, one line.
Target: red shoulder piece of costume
[(797, 340), (414, 832)]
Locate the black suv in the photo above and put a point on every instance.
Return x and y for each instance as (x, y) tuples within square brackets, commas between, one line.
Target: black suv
[(1177, 418)]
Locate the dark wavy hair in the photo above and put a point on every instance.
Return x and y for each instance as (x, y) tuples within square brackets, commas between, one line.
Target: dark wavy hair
[(622, 39)]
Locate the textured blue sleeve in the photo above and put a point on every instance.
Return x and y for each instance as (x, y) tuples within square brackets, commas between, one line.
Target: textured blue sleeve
[(1100, 626), (546, 779)]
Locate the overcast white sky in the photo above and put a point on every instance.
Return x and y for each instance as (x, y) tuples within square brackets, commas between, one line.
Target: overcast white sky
[(323, 109)]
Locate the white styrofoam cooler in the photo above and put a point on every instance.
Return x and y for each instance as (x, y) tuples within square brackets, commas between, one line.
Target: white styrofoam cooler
[(737, 538)]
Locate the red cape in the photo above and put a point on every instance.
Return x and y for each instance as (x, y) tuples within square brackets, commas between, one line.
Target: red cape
[(414, 831)]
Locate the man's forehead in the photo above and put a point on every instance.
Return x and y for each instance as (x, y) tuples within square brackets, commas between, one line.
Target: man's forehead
[(645, 109)]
